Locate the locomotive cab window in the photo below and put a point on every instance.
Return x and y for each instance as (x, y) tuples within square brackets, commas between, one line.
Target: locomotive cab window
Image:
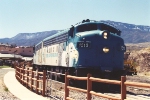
[(110, 29), (86, 27)]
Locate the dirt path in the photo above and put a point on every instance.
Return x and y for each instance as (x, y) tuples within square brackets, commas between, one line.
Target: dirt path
[(4, 91)]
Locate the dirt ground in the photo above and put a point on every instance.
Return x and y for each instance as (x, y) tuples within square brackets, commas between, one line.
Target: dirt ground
[(4, 91)]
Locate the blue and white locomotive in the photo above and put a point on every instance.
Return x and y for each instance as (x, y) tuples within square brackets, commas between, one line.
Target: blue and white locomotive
[(87, 47)]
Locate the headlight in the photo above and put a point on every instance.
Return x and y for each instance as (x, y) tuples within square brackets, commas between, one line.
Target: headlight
[(105, 49), (105, 34)]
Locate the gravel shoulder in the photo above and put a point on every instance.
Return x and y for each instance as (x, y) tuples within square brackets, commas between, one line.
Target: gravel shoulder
[(139, 90), (4, 91)]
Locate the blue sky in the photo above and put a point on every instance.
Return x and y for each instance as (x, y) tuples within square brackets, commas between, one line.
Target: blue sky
[(29, 16)]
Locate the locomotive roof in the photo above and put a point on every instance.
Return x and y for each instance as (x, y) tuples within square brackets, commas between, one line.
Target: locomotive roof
[(54, 35), (111, 25), (98, 22), (102, 24), (38, 43), (81, 23), (57, 34)]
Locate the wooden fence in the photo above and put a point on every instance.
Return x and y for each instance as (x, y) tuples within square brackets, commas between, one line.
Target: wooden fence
[(89, 91), (30, 79)]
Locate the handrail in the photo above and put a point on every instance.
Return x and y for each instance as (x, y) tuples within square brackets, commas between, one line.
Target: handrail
[(137, 84), (76, 78), (105, 80)]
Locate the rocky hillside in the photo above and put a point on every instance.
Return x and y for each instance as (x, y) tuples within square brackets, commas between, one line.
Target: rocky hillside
[(137, 46), (141, 58)]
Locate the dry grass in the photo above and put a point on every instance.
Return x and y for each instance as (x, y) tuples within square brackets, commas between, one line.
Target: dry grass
[(6, 89), (4, 66), (146, 73), (141, 58)]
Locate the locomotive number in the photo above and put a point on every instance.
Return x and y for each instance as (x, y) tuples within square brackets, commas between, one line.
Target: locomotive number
[(83, 44)]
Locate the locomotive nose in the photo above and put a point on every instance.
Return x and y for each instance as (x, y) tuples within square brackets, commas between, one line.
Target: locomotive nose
[(100, 49)]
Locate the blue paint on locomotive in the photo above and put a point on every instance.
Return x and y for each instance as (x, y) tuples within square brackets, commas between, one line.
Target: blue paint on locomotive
[(93, 55)]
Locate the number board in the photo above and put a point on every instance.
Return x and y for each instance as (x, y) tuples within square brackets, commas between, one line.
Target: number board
[(86, 44)]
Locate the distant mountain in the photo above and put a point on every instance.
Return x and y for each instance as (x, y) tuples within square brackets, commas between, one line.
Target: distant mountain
[(130, 33), (28, 39)]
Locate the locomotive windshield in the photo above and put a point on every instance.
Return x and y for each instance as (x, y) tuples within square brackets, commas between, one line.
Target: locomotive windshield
[(97, 26), (86, 27), (109, 28)]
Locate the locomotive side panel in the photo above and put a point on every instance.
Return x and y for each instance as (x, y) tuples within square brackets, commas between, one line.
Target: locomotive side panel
[(50, 55), (54, 50)]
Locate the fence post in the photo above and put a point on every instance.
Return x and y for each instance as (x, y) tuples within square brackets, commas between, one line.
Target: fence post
[(123, 88), (19, 74), (32, 76), (89, 86), (66, 84), (44, 82), (23, 75), (37, 82), (27, 76)]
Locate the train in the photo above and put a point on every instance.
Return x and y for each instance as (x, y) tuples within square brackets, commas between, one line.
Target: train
[(89, 46)]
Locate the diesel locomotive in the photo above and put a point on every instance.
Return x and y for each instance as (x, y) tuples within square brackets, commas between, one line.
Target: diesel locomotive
[(87, 47)]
